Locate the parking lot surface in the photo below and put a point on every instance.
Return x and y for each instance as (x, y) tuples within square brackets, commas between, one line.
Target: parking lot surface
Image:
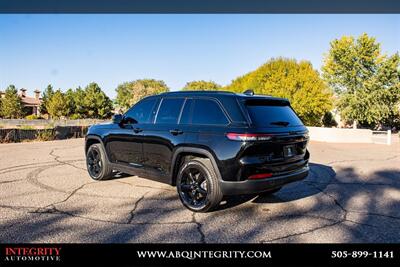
[(351, 195)]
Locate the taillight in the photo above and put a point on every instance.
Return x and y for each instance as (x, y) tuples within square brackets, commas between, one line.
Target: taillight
[(260, 176), (248, 137)]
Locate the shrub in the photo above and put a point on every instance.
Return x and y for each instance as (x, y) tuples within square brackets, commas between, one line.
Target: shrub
[(32, 117), (75, 116), (45, 135), (27, 127), (49, 125)]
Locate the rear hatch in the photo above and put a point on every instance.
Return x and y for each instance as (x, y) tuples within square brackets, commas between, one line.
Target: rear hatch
[(285, 148)]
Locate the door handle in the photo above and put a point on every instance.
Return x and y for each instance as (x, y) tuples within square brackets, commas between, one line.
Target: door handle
[(176, 132), (137, 130)]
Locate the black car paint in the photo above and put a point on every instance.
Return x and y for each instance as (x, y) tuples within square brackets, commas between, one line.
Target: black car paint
[(153, 150)]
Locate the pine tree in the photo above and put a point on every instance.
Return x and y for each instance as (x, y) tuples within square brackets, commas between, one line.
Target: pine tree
[(11, 106), (46, 96), (96, 103), (57, 105)]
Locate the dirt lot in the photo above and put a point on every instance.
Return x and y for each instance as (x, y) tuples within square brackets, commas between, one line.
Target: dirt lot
[(351, 195)]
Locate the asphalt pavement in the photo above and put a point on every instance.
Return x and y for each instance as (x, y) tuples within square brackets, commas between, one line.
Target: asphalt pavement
[(351, 195)]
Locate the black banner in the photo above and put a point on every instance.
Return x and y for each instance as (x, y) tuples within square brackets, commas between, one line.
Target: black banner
[(200, 254), (199, 6)]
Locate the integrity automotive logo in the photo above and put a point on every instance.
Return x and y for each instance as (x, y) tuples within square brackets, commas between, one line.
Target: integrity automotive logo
[(32, 254)]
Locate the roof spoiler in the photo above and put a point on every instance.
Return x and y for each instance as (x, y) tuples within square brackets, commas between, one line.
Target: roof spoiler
[(248, 92), (267, 101)]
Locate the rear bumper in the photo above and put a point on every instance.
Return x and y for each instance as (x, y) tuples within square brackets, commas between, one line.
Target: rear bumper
[(258, 186)]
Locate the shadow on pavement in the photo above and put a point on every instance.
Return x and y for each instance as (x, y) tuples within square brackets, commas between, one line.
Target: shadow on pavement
[(291, 192), (335, 207)]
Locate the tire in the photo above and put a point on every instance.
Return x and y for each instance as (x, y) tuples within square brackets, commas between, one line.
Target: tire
[(205, 181), (96, 156), (270, 192)]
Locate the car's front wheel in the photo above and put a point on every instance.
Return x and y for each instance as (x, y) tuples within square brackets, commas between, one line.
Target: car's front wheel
[(97, 164), (198, 186)]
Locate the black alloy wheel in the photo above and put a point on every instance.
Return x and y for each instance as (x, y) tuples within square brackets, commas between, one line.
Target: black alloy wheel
[(193, 187), (94, 164), (97, 164), (197, 185)]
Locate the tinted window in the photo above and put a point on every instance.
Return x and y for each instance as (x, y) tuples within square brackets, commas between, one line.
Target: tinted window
[(142, 111), (207, 111), (272, 115), (185, 117), (232, 107), (169, 110)]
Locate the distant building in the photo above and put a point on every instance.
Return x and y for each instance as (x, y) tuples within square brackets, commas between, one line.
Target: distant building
[(31, 105)]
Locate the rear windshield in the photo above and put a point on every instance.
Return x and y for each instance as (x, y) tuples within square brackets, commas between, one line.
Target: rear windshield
[(272, 114)]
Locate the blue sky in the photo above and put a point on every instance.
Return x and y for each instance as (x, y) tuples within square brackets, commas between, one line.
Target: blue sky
[(72, 50)]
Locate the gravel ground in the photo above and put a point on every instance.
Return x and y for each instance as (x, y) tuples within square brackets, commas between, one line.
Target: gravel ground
[(351, 195)]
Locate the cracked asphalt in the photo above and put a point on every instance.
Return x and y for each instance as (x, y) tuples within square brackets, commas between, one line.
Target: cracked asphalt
[(351, 195)]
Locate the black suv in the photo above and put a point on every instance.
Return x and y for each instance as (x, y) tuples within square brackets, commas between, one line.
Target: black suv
[(207, 143)]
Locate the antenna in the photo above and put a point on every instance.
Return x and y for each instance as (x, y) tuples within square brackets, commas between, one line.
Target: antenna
[(249, 92)]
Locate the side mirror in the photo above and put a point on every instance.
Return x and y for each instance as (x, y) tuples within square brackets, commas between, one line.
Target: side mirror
[(117, 118)]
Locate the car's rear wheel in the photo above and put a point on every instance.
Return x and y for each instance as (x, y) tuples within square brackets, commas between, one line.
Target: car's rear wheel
[(198, 186), (97, 164)]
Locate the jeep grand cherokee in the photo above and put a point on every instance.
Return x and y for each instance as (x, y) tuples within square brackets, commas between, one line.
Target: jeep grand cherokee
[(206, 143)]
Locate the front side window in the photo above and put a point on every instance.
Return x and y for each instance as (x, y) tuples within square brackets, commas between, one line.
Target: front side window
[(141, 112), (207, 111), (169, 111)]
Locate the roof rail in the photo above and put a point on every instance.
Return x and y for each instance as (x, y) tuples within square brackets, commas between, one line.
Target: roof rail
[(198, 91)]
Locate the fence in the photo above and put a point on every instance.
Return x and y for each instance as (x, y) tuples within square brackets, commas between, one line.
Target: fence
[(340, 135), (382, 137), (57, 133), (61, 129), (16, 123)]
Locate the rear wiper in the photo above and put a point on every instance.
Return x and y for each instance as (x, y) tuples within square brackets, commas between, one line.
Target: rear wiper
[(281, 123)]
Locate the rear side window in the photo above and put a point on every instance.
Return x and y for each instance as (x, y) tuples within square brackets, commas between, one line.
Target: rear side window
[(142, 111), (169, 110), (207, 111), (186, 112), (272, 114)]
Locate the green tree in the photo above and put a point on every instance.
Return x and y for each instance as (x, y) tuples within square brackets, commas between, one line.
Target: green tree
[(328, 120), (11, 106), (57, 105), (129, 93), (79, 99), (96, 103), (46, 96), (202, 85), (70, 102), (366, 82), (296, 81)]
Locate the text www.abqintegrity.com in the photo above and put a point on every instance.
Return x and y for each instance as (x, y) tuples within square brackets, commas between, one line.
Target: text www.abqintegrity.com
[(203, 254)]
